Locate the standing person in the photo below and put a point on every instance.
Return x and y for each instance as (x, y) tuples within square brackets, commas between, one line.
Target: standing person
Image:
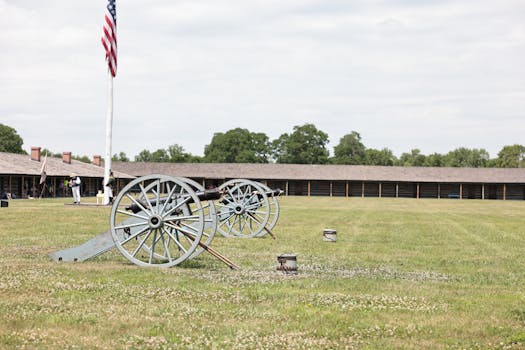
[(74, 183), (110, 184)]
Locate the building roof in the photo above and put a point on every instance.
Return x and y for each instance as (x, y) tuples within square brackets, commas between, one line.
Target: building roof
[(325, 172), (21, 164)]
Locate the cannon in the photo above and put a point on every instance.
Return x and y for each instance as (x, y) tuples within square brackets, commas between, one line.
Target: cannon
[(159, 220)]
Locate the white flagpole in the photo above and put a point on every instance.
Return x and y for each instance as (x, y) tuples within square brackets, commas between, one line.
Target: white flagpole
[(109, 124)]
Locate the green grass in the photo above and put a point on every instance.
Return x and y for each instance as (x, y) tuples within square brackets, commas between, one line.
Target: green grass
[(403, 274)]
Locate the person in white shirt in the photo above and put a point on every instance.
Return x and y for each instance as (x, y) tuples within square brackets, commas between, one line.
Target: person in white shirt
[(74, 183)]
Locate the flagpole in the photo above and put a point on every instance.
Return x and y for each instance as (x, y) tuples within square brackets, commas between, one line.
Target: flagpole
[(109, 125)]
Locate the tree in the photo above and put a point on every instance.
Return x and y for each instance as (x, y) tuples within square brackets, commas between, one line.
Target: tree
[(173, 154), (383, 157), (50, 153), (306, 145), (279, 148), (83, 159), (10, 141), (238, 146), (350, 150), (414, 158), (160, 156), (464, 157), (511, 157), (435, 160), (143, 156), (121, 157), (177, 154)]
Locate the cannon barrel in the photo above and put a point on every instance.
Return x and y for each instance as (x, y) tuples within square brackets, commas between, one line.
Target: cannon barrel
[(205, 195), (274, 192)]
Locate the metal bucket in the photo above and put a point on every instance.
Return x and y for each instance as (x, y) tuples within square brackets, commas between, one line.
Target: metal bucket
[(329, 235), (287, 264)]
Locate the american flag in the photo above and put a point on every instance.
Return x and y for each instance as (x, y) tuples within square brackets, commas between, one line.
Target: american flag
[(109, 38)]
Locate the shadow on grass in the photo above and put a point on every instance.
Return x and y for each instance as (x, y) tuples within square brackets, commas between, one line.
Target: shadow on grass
[(194, 264)]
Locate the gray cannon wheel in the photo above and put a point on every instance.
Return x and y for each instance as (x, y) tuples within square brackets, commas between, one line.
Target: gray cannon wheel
[(274, 209), (166, 226), (243, 210), (210, 217)]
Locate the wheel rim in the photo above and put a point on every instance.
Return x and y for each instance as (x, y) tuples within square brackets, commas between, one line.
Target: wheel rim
[(167, 226), (243, 210), (274, 210)]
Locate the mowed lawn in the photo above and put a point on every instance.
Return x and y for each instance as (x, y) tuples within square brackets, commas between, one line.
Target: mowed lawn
[(403, 274)]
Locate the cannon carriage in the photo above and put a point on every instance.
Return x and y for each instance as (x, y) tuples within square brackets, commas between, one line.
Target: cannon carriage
[(159, 220)]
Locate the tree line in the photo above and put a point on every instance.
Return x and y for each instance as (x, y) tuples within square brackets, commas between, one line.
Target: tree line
[(308, 145), (304, 145)]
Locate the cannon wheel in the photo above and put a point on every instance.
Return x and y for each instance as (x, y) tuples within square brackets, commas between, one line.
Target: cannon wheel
[(210, 217), (167, 229), (274, 210), (243, 210)]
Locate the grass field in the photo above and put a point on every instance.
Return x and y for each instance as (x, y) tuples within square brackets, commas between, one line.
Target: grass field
[(404, 274)]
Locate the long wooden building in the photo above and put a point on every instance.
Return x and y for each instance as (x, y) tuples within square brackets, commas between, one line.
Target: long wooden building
[(20, 176), (351, 180)]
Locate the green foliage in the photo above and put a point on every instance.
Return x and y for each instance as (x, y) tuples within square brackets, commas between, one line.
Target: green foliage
[(351, 150), (176, 153), (50, 153), (460, 157), (435, 160), (121, 157), (83, 159), (143, 156), (173, 154), (10, 141), (305, 145), (464, 157), (511, 157), (414, 158), (160, 156), (238, 146), (383, 157)]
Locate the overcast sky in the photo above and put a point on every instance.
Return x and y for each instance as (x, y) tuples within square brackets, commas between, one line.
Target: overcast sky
[(433, 75)]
